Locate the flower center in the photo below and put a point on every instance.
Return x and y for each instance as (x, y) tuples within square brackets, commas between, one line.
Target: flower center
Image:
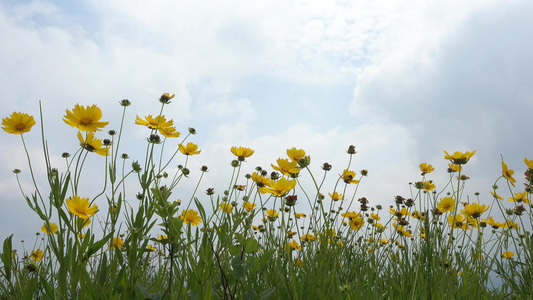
[(20, 126), (85, 121)]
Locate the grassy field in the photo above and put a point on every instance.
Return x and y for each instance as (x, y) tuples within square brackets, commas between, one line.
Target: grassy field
[(268, 238)]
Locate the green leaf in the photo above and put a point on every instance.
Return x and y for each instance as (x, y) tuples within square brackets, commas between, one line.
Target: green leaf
[(265, 258), (97, 246), (235, 250), (250, 245), (201, 209), (266, 293), (29, 288), (249, 295), (254, 265), (47, 288), (238, 271), (143, 290), (6, 257), (239, 237), (103, 270)]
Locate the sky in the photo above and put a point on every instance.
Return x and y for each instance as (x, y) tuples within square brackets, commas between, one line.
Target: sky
[(400, 80)]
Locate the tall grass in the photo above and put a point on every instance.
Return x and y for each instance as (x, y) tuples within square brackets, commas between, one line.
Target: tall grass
[(267, 239)]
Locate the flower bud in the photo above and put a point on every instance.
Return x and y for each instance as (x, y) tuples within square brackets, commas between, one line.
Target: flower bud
[(291, 200), (304, 161), (136, 167), (326, 166), (112, 132), (154, 138), (351, 149), (125, 156), (192, 130), (125, 102), (185, 171), (65, 155), (32, 266), (165, 98)]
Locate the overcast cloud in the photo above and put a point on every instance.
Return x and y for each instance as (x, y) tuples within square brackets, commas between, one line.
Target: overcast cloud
[(400, 80)]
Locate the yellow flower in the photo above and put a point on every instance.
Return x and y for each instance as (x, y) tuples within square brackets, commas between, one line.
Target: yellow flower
[(348, 177), (495, 195), (272, 214), (380, 226), (190, 149), (490, 221), (280, 187), (520, 197), (446, 204), (457, 221), (154, 123), (18, 123), (150, 247), (399, 213), (286, 167), (402, 231), (529, 163), (299, 215), (425, 168), (454, 168), (249, 206), (299, 263), (429, 186), (242, 152), (37, 255), (384, 241), (350, 214), (162, 237), (357, 223), (92, 144), (459, 158), (507, 254), (169, 132), (85, 118), (511, 224), (375, 217), (82, 223), (295, 154), (293, 245), (474, 210), (308, 237), (81, 207), (53, 228), (117, 243), (336, 196), (226, 207), (260, 180), (191, 217), (417, 215), (508, 173)]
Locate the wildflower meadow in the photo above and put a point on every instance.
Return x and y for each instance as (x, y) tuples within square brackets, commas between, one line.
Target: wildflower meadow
[(275, 232)]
